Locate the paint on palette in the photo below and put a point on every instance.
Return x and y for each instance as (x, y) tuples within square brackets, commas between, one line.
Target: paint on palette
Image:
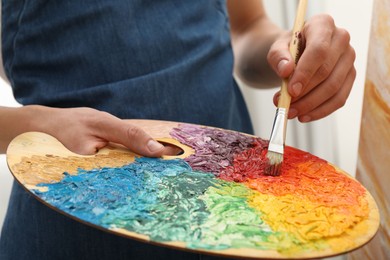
[(219, 198), (310, 200), (216, 150), (165, 200)]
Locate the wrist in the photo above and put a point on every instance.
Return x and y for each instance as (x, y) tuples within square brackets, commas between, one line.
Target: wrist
[(17, 120), (36, 118)]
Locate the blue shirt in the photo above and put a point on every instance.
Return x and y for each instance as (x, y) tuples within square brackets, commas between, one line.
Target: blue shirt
[(167, 60), (156, 59)]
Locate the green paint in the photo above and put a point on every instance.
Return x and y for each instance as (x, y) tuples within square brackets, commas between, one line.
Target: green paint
[(167, 201), (232, 223)]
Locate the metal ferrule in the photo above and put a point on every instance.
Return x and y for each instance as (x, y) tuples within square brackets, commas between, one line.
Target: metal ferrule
[(276, 142)]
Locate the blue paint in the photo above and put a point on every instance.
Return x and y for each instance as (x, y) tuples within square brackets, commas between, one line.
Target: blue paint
[(165, 200), (159, 198)]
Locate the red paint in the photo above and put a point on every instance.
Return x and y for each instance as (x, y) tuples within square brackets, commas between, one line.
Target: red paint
[(302, 174)]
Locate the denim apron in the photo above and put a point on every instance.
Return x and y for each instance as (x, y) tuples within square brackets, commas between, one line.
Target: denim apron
[(154, 59)]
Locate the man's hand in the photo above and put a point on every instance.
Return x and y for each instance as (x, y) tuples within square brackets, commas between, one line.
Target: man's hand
[(86, 130), (81, 130), (324, 75)]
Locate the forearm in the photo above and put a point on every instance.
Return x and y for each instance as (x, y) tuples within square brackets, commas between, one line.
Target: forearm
[(14, 121), (251, 46), (82, 130)]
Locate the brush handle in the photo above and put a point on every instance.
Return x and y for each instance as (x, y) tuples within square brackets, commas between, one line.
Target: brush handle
[(285, 98)]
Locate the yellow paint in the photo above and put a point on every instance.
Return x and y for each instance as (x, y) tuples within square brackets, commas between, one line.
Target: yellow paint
[(311, 224)]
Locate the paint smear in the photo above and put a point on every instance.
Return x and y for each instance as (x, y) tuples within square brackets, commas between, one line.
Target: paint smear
[(219, 198), (165, 200)]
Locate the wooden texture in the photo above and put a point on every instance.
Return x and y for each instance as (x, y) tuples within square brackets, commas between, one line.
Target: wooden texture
[(54, 159), (374, 144), (295, 44)]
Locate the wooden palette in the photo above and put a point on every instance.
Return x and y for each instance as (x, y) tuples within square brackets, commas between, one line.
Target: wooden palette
[(212, 198)]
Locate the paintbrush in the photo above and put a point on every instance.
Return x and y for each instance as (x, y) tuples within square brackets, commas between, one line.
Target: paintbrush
[(278, 134)]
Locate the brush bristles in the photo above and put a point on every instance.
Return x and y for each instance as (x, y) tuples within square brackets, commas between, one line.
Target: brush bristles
[(276, 143), (274, 163), (274, 158)]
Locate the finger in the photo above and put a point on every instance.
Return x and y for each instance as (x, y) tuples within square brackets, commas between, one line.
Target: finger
[(276, 98), (279, 57), (332, 104), (341, 40), (137, 140), (328, 88), (318, 37), (90, 146), (140, 142), (81, 141)]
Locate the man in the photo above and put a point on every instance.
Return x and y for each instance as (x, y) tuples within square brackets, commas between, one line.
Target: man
[(79, 69)]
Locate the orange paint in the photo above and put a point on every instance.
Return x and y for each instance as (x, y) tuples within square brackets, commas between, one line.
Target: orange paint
[(311, 200), (307, 176)]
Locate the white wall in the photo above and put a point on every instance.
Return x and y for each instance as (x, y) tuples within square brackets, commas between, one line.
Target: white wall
[(6, 99), (357, 20)]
